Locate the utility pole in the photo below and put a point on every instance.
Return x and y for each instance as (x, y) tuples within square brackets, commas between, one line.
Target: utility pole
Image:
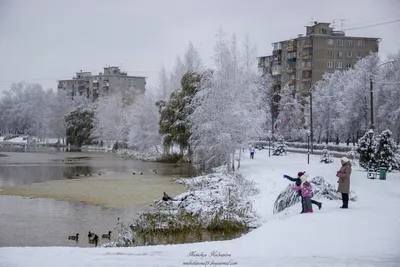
[(311, 125), (371, 87)]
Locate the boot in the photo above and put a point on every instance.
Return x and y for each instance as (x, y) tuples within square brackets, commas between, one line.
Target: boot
[(346, 201), (319, 205)]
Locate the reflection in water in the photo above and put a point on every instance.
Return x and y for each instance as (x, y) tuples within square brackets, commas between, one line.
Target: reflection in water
[(48, 222), (19, 175)]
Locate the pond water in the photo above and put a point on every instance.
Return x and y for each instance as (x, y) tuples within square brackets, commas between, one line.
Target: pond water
[(75, 192)]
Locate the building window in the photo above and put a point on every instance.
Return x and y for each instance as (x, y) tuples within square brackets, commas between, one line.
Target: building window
[(298, 76), (358, 54), (298, 65), (338, 65), (349, 42), (359, 43), (349, 66), (349, 54), (339, 53), (329, 64), (329, 53), (298, 54), (340, 42), (330, 41)]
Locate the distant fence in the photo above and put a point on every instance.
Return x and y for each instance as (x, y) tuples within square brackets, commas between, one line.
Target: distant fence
[(330, 147)]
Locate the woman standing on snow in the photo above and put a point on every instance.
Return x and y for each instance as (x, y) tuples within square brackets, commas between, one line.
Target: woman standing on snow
[(301, 178), (344, 181)]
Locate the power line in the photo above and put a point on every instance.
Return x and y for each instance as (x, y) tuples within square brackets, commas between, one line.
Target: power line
[(372, 25), (376, 20)]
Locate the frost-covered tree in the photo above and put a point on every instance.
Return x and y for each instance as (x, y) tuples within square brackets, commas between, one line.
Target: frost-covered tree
[(227, 114), (110, 121), (143, 122), (290, 117), (164, 83), (268, 99), (387, 92), (366, 148), (325, 111), (386, 151), (60, 105)]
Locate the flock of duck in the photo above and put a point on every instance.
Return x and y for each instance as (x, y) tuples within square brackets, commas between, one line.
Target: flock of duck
[(92, 237), (153, 171), (90, 174)]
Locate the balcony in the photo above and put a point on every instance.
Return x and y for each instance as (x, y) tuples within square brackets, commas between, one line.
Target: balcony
[(306, 80), (291, 48), (291, 70), (276, 83), (307, 46), (291, 60), (292, 82), (305, 92), (277, 52), (276, 62), (307, 68), (276, 72), (307, 57)]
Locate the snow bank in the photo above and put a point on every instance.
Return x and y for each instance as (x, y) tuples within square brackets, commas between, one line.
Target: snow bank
[(221, 194), (211, 201)]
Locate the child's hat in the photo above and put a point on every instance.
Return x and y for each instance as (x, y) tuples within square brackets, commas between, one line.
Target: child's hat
[(300, 174)]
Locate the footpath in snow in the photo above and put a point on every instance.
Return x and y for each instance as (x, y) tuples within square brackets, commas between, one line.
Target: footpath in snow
[(367, 234)]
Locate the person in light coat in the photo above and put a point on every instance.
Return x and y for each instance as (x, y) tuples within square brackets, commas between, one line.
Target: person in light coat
[(344, 181)]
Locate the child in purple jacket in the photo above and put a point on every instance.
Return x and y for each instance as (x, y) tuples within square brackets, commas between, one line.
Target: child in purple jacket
[(306, 193)]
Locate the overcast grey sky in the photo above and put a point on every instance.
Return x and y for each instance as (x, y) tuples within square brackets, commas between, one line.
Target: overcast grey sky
[(42, 41)]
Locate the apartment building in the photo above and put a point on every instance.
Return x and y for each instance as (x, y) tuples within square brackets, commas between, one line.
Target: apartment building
[(302, 61), (111, 80)]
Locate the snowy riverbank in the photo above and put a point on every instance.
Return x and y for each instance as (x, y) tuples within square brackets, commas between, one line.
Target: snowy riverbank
[(367, 234)]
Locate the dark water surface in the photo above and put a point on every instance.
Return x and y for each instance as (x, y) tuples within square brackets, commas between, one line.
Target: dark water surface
[(47, 222)]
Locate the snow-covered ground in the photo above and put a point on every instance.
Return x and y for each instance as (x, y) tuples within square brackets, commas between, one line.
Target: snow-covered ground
[(367, 234), (25, 139)]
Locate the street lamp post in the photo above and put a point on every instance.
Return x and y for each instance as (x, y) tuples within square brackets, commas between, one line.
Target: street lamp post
[(311, 116), (269, 144), (308, 146), (371, 90)]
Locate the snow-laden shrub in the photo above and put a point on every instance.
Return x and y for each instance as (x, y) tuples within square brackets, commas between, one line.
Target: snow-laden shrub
[(126, 237), (213, 202), (150, 155), (353, 154), (386, 151), (280, 150), (367, 147), (321, 189), (326, 157)]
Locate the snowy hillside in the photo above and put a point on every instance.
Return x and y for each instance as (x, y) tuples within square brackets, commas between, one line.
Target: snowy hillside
[(367, 234)]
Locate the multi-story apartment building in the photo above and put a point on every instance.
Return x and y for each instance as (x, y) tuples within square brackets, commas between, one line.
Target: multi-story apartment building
[(302, 61), (111, 80)]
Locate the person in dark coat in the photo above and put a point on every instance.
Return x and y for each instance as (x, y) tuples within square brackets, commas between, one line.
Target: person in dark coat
[(344, 181), (298, 182)]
